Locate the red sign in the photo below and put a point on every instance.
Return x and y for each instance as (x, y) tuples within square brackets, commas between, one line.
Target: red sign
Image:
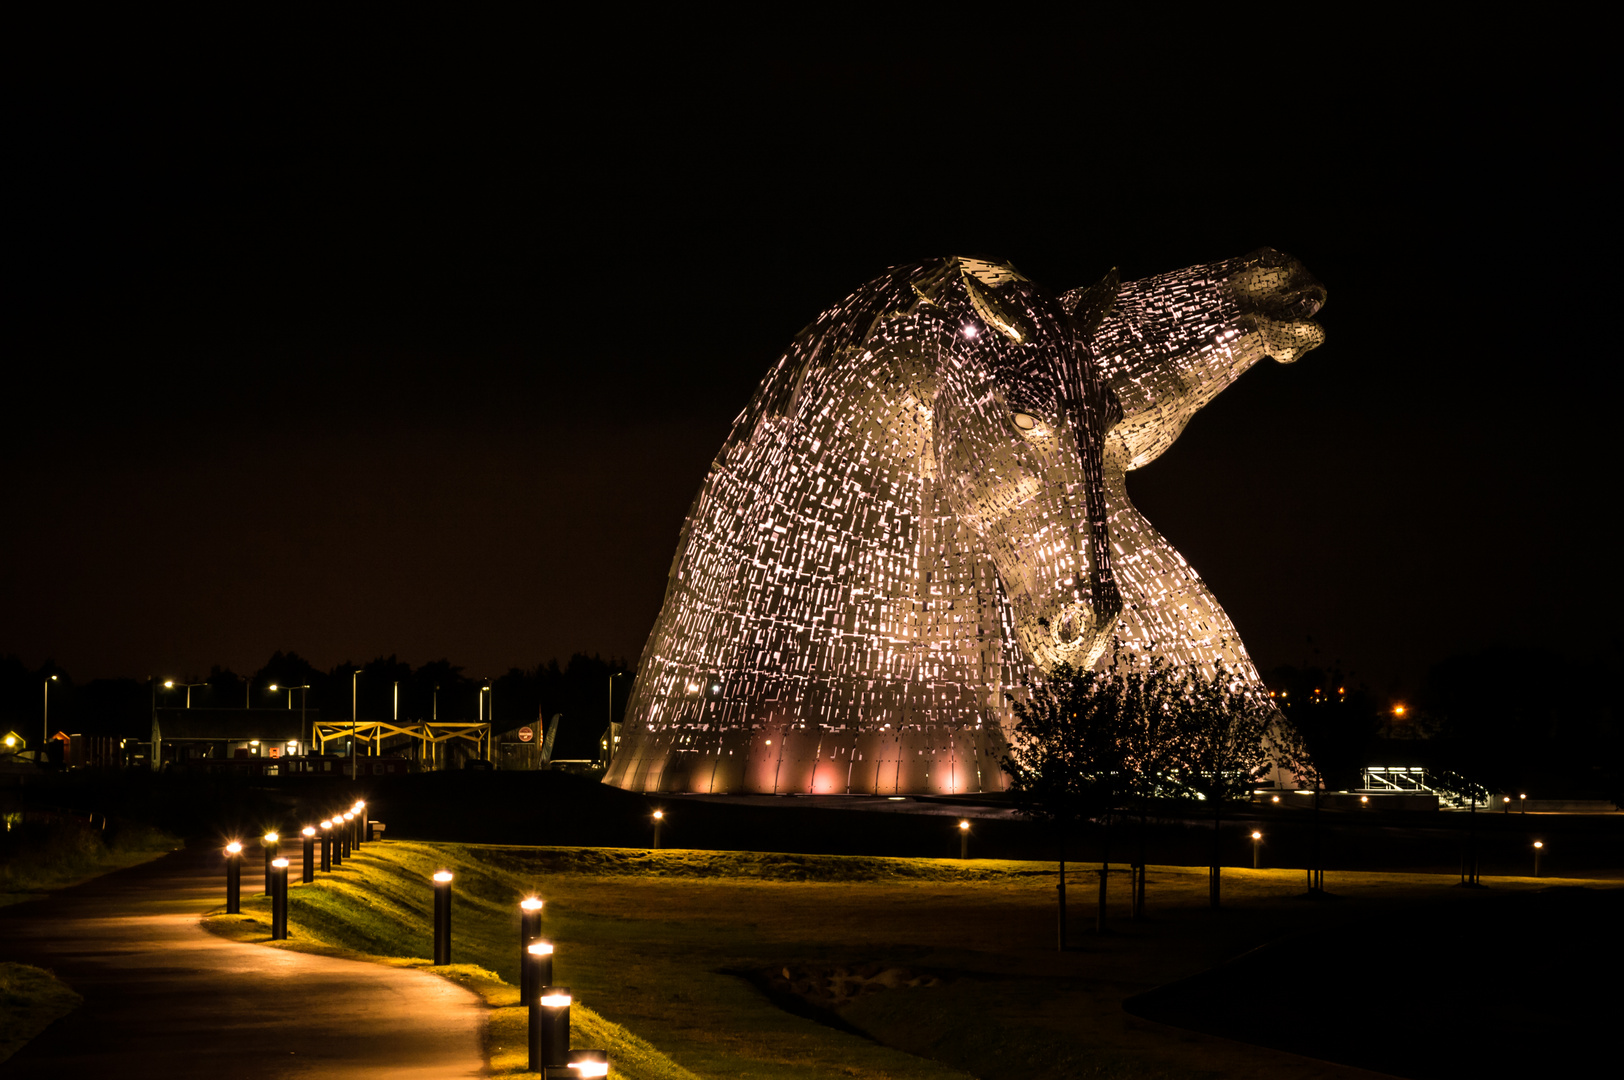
[(525, 734)]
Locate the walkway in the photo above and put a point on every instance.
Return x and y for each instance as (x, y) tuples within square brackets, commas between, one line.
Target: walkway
[(166, 999)]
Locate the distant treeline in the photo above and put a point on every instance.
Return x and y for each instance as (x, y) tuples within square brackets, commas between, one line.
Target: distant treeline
[(586, 691)]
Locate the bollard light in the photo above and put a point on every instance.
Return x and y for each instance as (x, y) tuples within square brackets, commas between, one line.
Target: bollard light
[(347, 832), (589, 1063), (1364, 800), (233, 878), (536, 973), (360, 812), (442, 918), (279, 900), (529, 931), (1522, 804), (307, 873), (1506, 808), (659, 816), (269, 844), (329, 847), (1539, 846), (550, 1037), (964, 839), (1256, 838), (1274, 798)]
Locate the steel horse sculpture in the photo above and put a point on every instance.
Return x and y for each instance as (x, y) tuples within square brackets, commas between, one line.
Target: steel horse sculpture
[(923, 508)]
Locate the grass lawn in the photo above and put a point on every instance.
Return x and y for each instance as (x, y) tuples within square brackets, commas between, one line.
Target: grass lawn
[(926, 967), (30, 999), (39, 858)]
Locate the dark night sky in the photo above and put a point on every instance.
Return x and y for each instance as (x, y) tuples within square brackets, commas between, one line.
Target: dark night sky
[(374, 347)]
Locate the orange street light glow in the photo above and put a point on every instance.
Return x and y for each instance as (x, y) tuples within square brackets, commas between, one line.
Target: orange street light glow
[(659, 815), (280, 864), (271, 838), (965, 825), (442, 875), (1257, 836), (556, 1001), (309, 830), (530, 904), (234, 848), (540, 948)]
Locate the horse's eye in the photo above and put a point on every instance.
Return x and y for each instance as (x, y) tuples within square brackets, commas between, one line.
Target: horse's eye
[(1025, 421)]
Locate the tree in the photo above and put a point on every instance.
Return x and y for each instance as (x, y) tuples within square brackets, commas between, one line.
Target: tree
[(1152, 702), (1066, 759), (1325, 738), (1219, 753)]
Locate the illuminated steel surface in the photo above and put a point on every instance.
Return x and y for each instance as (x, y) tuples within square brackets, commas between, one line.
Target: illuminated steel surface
[(923, 508)]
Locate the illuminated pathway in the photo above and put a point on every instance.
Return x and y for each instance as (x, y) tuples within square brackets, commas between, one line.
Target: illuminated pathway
[(166, 998)]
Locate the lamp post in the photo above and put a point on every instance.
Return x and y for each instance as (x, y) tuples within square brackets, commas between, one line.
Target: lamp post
[(337, 838), (304, 697), (442, 918), (1522, 801), (1505, 807), (279, 900), (354, 692), (1539, 846), (45, 722), (551, 1037), (170, 684), (347, 833), (529, 933), (659, 817), (964, 840), (234, 878), (307, 873), (270, 853), (536, 974), (1257, 838), (327, 847), (360, 826)]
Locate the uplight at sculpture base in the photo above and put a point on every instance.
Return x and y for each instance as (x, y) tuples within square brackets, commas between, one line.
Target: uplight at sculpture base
[(923, 510)]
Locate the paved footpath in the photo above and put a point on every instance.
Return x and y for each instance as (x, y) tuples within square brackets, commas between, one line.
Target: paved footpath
[(165, 998)]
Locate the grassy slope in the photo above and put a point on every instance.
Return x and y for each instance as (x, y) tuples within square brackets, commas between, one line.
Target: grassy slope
[(71, 852), (651, 938), (30, 1000)]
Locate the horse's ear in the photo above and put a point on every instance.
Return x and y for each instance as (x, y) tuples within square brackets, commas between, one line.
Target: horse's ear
[(1093, 304)]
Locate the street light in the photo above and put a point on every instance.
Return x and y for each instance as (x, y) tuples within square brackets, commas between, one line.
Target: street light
[(354, 690), (304, 699), (1539, 846), (1256, 838), (234, 878), (307, 873), (269, 844), (964, 839), (659, 816), (45, 740), (170, 684), (1523, 802)]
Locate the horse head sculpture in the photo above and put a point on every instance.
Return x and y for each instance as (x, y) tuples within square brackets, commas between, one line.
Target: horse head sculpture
[(923, 508)]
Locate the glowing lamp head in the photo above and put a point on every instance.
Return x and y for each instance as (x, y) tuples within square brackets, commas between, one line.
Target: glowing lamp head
[(308, 830), (271, 838), (169, 684), (234, 848), (659, 815), (273, 686), (530, 903), (593, 1066), (1257, 836), (327, 824), (1507, 798), (348, 816), (557, 999), (1274, 798), (11, 740), (964, 826), (1364, 798), (442, 876), (540, 948), (1539, 843), (280, 864)]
